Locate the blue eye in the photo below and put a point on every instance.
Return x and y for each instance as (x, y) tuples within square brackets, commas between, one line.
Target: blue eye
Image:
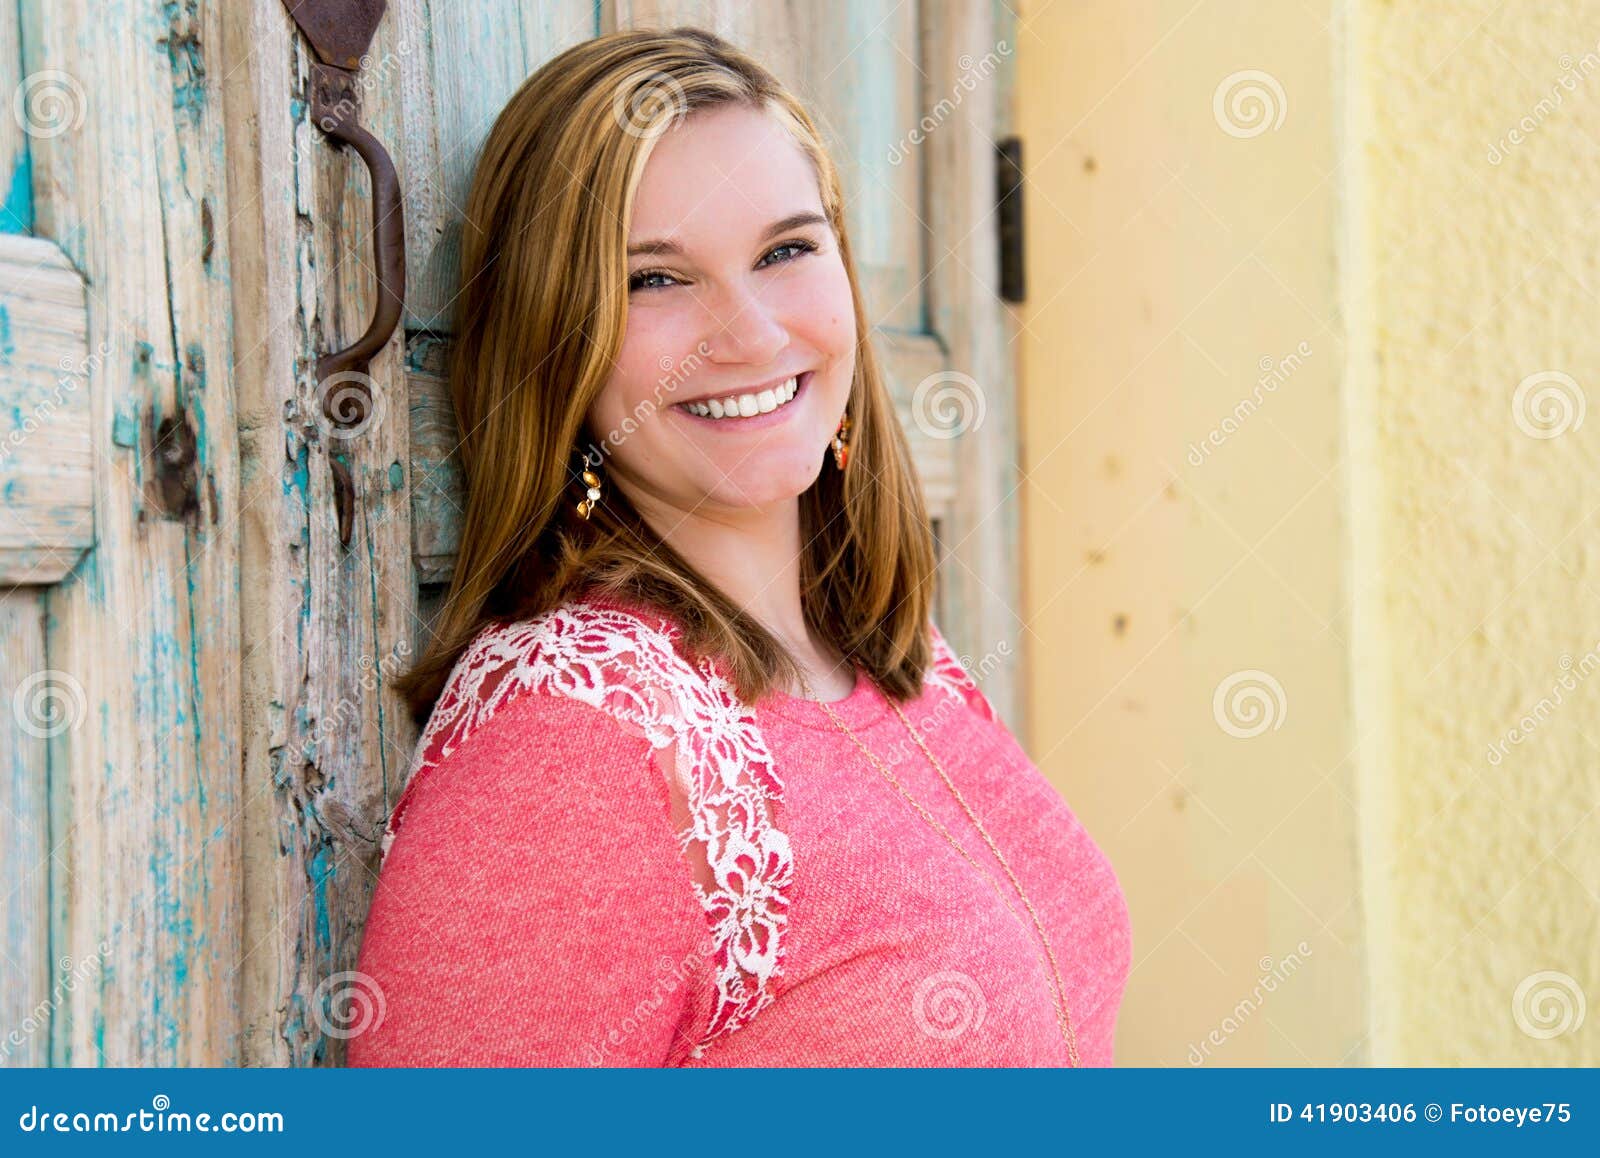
[(799, 245), (637, 280)]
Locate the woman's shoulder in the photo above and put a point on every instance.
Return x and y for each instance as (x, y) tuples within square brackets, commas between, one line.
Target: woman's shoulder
[(588, 648), (591, 662), (948, 673)]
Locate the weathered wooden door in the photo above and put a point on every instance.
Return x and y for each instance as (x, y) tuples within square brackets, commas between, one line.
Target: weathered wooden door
[(205, 830)]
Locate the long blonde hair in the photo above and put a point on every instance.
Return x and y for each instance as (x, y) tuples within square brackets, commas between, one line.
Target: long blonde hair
[(540, 319)]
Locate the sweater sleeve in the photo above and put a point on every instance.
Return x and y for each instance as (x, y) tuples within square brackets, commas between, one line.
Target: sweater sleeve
[(534, 908)]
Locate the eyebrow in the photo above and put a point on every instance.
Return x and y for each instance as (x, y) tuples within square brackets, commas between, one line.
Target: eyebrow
[(665, 245)]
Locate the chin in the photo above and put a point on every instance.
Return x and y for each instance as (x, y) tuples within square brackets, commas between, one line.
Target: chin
[(757, 484)]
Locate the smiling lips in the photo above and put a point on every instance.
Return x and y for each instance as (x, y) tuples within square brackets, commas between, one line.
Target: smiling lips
[(741, 406)]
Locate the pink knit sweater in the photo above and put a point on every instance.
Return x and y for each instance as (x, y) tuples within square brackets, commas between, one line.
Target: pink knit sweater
[(603, 857)]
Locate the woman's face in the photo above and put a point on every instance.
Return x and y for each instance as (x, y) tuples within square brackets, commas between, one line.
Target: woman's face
[(736, 288)]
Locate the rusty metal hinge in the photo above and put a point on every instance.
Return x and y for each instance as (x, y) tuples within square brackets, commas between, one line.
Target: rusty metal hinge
[(339, 32)]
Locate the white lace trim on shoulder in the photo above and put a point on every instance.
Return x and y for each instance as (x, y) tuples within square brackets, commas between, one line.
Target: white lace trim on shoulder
[(618, 662), (948, 673)]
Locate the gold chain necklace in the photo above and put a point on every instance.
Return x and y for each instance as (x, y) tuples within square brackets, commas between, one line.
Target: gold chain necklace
[(1059, 997)]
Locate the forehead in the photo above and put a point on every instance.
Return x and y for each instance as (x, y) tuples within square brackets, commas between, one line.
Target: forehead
[(719, 174)]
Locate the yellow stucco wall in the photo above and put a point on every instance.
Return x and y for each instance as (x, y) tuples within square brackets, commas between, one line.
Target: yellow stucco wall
[(1301, 557)]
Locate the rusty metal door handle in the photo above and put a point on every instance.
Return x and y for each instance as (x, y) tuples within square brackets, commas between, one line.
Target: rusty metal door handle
[(339, 32)]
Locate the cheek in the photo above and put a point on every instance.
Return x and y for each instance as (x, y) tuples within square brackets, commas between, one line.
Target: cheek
[(646, 368), (825, 313)]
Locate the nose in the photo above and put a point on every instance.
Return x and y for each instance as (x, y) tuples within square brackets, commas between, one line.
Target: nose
[(743, 328)]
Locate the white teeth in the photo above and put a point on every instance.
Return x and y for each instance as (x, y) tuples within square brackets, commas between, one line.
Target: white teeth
[(745, 405)]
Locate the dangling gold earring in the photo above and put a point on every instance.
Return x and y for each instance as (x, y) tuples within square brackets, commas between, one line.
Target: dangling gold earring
[(592, 482), (841, 442)]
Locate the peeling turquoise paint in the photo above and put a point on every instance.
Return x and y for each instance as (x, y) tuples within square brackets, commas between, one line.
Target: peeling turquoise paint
[(86, 571), (8, 346), (280, 769), (294, 1021), (195, 357), (185, 58), (192, 393), (197, 695), (184, 931), (321, 871), (418, 348), (125, 426), (298, 480), (397, 476), (377, 667), (16, 212)]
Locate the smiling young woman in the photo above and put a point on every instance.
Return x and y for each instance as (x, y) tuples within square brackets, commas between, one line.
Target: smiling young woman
[(701, 782)]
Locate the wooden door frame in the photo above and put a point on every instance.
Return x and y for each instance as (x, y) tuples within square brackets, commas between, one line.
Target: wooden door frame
[(215, 822), (141, 782)]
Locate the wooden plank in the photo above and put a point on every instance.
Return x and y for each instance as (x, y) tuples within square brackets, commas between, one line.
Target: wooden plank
[(46, 462), (438, 491), (453, 88), (35, 708), (325, 627), (144, 784), (963, 53), (16, 182), (861, 83), (909, 361)]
